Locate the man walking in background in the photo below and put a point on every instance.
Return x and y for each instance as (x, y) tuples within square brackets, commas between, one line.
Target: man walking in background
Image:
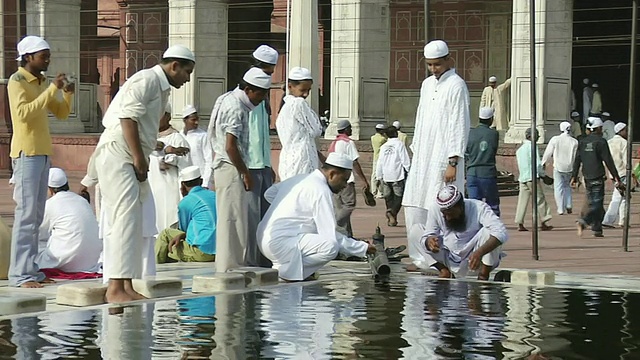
[(482, 182), (563, 149)]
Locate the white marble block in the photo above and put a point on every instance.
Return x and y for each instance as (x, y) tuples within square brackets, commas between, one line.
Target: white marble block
[(533, 277), (218, 282), (11, 304), (81, 294), (153, 287), (257, 276)]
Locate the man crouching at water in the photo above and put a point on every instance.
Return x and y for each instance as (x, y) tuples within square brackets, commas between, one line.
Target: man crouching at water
[(460, 235)]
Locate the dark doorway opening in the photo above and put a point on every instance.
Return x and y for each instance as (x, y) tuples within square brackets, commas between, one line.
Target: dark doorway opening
[(601, 50)]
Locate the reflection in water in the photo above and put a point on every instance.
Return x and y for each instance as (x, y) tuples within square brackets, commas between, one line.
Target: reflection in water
[(412, 318)]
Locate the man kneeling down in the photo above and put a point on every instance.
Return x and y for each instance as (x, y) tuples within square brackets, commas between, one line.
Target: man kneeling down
[(298, 231), (460, 234)]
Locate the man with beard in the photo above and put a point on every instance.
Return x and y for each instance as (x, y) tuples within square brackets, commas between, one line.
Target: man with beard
[(460, 235), (298, 231)]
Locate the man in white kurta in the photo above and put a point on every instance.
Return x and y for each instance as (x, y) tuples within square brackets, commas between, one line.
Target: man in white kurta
[(121, 160), (298, 232), (440, 138), (494, 96), (69, 228), (563, 149), (298, 128), (460, 235), (199, 145), (587, 98), (616, 212), (596, 101), (165, 165)]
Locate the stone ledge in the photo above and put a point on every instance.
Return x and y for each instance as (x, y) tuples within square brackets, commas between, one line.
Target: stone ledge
[(81, 294), (533, 277), (257, 276), (13, 304), (218, 282), (157, 287)]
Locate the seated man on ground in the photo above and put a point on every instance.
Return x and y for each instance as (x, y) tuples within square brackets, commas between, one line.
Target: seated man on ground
[(460, 235), (298, 232), (195, 238), (70, 229)]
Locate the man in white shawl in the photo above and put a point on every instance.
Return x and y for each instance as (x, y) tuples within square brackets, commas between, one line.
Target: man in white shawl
[(460, 235), (494, 96), (199, 145), (439, 141), (298, 232), (165, 163), (298, 128)]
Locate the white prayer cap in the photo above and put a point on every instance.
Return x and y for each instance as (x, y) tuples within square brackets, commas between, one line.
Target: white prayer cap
[(436, 49), (167, 108), (300, 73), (605, 114), (585, 81), (266, 54), (256, 77), (594, 122), (381, 126), (343, 124), (493, 79), (594, 85), (575, 114), (619, 127), (188, 110), (565, 126), (57, 178), (190, 173), (339, 160), (396, 124), (486, 113), (448, 196), (30, 45), (179, 52)]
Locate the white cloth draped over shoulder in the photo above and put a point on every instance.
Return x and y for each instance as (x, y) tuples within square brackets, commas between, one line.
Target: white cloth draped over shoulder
[(441, 132), (298, 128), (298, 231), (201, 153)]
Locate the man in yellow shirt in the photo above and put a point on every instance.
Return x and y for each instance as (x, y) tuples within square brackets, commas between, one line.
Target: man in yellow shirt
[(31, 97)]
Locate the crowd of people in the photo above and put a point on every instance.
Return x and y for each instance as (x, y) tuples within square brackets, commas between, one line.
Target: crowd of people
[(165, 195)]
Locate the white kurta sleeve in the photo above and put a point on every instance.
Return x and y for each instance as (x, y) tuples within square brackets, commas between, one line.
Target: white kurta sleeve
[(208, 160), (491, 222), (504, 86), (379, 168), (548, 152), (405, 159), (351, 247), (272, 192), (459, 122), (91, 178), (324, 216), (44, 232), (307, 117), (433, 226)]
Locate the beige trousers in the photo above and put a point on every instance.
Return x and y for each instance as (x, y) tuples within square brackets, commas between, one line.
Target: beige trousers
[(544, 211), (122, 195), (233, 211)]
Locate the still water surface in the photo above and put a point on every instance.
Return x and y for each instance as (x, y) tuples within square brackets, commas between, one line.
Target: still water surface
[(413, 318)]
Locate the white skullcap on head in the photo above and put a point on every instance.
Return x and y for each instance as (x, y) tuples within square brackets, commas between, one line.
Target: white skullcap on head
[(179, 52), (619, 127), (256, 77), (339, 160), (57, 178), (190, 173), (188, 110), (300, 73), (448, 196), (486, 113), (381, 126), (565, 126), (605, 114), (585, 81), (575, 114), (167, 108), (343, 124), (594, 85), (396, 124), (30, 45), (493, 79), (266, 54), (436, 49), (594, 122)]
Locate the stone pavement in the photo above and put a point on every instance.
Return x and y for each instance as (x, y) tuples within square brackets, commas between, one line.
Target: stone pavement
[(560, 249)]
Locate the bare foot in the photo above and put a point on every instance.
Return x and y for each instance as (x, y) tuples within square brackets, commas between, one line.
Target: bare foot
[(545, 227), (31, 285), (136, 295), (116, 310), (445, 274), (522, 228), (47, 281), (118, 297), (412, 268), (580, 228)]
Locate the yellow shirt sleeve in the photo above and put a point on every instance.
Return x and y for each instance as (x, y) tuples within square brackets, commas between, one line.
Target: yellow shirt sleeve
[(61, 109), (22, 109)]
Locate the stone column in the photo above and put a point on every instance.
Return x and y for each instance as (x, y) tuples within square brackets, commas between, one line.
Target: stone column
[(360, 47), (58, 22), (554, 30), (200, 25), (303, 48)]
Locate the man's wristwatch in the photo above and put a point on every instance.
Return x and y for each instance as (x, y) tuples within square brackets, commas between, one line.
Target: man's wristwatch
[(453, 163)]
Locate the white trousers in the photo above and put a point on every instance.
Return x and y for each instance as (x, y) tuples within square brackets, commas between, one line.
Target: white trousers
[(616, 211), (458, 263), (312, 253), (415, 219), (562, 191), (122, 195)]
